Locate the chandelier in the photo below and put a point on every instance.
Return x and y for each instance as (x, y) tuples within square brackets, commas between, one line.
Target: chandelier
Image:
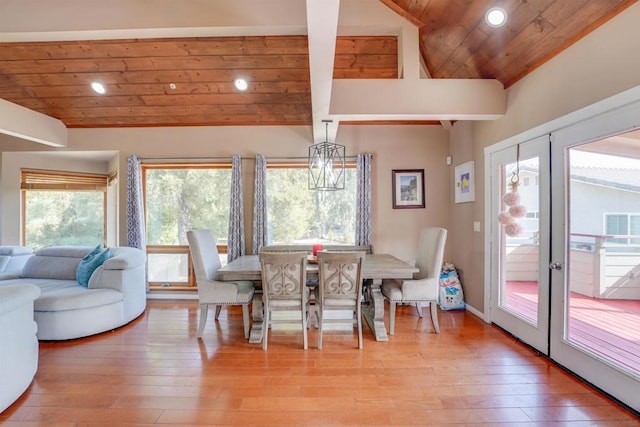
[(326, 164)]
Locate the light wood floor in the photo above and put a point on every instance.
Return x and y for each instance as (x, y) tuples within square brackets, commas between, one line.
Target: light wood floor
[(154, 371)]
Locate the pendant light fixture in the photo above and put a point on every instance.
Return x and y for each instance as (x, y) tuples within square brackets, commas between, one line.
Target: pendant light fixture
[(326, 164)]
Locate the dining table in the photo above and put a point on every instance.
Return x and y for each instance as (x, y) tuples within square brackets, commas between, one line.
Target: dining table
[(375, 268)]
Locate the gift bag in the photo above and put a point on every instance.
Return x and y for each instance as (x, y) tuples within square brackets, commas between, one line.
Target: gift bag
[(450, 296)]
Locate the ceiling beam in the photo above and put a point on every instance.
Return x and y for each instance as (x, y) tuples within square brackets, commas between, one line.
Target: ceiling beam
[(422, 99), (97, 19), (21, 122), (322, 30)]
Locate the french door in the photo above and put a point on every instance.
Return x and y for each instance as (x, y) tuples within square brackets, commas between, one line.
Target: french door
[(519, 299), (595, 288), (566, 278)]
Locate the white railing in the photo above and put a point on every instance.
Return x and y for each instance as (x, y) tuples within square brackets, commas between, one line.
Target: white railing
[(600, 266)]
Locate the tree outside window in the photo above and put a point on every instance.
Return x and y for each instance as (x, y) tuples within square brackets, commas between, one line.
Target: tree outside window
[(296, 214), (63, 208), (58, 218), (179, 198)]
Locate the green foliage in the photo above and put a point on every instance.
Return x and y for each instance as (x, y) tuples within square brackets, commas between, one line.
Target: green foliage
[(64, 218), (178, 200), (297, 214)]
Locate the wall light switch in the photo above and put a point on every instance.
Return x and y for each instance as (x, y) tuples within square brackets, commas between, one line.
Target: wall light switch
[(476, 226)]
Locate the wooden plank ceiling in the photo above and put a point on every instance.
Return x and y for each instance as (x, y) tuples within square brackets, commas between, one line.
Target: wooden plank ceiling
[(189, 81)]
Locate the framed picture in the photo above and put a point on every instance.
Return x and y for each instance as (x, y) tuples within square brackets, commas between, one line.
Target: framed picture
[(408, 188), (465, 183)]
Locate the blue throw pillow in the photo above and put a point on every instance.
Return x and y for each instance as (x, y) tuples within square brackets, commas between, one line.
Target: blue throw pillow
[(89, 263)]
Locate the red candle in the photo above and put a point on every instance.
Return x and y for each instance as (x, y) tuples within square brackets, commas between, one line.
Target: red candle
[(316, 249)]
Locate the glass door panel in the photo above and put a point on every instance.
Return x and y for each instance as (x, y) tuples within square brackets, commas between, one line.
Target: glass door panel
[(520, 239), (595, 291), (603, 254), (519, 252)]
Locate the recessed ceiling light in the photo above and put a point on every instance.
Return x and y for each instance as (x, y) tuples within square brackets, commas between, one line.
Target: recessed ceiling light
[(241, 84), (496, 17), (99, 88)]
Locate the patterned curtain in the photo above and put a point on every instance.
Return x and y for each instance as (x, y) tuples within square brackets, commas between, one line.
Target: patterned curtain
[(235, 244), (135, 212), (260, 205), (363, 199)]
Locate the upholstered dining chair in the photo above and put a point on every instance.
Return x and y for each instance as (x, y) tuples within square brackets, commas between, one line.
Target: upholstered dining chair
[(284, 277), (339, 288), (424, 286), (206, 262)]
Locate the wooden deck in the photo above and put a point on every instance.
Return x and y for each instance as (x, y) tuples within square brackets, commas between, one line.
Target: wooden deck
[(610, 328)]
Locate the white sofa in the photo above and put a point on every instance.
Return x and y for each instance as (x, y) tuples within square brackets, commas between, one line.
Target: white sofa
[(12, 259), (116, 292), (18, 342)]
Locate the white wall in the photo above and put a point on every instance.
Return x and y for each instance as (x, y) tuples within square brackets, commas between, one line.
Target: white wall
[(394, 147), (599, 66)]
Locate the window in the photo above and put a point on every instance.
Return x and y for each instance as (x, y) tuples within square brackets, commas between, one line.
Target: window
[(181, 197), (63, 208), (623, 224), (296, 214)]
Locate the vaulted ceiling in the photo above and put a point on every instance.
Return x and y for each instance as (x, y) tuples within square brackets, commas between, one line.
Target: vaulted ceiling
[(169, 81)]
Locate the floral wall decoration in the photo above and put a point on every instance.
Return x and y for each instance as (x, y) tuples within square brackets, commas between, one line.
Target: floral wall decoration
[(514, 210)]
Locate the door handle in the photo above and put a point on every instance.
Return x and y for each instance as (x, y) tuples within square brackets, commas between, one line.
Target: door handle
[(555, 266)]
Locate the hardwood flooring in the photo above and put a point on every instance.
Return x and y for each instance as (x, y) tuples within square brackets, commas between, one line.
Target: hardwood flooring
[(154, 371)]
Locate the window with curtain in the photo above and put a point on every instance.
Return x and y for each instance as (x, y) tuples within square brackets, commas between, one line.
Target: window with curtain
[(179, 197), (64, 208), (296, 214)]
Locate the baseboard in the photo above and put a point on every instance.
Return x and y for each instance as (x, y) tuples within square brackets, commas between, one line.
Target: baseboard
[(476, 312)]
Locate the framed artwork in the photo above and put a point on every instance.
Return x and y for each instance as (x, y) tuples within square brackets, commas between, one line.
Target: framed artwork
[(408, 188), (465, 183)]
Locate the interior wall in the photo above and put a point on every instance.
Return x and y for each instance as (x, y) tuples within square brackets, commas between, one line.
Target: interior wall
[(594, 69), (466, 244), (12, 162), (394, 147), (396, 231)]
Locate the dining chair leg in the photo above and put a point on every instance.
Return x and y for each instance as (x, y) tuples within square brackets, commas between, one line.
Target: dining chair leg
[(434, 316), (265, 327), (218, 309), (419, 308), (245, 320), (392, 317), (359, 316), (305, 338), (319, 314), (204, 310), (309, 316)]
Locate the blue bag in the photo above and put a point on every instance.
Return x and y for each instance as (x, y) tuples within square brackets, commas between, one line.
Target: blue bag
[(450, 296)]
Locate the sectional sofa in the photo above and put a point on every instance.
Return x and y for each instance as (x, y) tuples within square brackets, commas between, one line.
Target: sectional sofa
[(114, 295), (18, 342)]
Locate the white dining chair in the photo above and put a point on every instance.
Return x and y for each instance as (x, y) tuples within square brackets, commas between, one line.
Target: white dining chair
[(206, 262), (425, 284), (339, 288), (284, 278)]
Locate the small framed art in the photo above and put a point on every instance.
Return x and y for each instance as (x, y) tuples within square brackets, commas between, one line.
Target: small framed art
[(465, 183), (408, 188)]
